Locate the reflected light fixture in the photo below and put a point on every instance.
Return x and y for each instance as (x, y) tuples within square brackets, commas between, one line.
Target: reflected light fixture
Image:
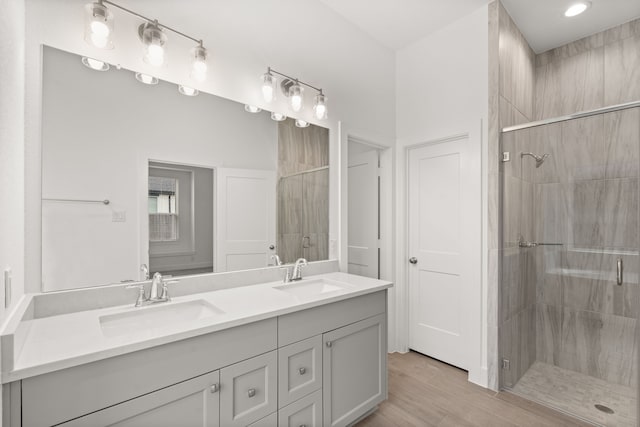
[(294, 90), (188, 91), (98, 26), (302, 123), (268, 86), (320, 106), (252, 108), (95, 64), (146, 79), (576, 9), (278, 117), (154, 41)]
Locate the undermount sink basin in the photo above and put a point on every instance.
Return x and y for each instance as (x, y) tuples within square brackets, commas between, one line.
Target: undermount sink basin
[(156, 317), (313, 288)]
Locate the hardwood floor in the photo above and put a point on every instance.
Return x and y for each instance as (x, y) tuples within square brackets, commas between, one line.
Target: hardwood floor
[(425, 392)]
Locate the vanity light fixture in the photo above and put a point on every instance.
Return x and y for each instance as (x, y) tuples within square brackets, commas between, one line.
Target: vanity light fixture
[(577, 8), (146, 79), (98, 26), (278, 117), (302, 123), (294, 90), (188, 91), (252, 108), (99, 29), (95, 64)]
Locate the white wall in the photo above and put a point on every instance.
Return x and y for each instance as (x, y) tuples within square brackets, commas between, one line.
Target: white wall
[(99, 129), (441, 91), (303, 38), (12, 22)]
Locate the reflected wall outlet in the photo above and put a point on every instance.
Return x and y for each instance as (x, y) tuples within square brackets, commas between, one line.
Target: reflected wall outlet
[(119, 216)]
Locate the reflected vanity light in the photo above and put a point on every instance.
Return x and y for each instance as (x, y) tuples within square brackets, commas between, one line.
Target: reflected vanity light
[(301, 123), (278, 117), (95, 64), (188, 91), (293, 89), (146, 79), (576, 9), (252, 108), (268, 86)]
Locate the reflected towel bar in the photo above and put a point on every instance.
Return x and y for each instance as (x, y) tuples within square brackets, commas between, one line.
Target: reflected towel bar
[(104, 202)]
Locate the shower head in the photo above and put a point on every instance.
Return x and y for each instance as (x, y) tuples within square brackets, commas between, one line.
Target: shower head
[(539, 159)]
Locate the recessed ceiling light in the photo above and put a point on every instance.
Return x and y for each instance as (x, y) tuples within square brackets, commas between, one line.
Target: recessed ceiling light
[(146, 79), (278, 117), (576, 9), (188, 91), (252, 108), (301, 123), (94, 64)]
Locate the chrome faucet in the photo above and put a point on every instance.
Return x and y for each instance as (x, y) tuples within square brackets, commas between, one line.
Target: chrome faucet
[(276, 259), (297, 269), (153, 297)]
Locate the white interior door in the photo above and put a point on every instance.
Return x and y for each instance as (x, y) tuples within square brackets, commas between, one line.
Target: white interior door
[(441, 206), (363, 214), (245, 218)]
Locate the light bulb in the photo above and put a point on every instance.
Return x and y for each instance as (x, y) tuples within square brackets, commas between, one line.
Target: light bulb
[(295, 92), (154, 40), (278, 117), (94, 64), (252, 108), (320, 106), (146, 79), (199, 63), (188, 91), (268, 86), (98, 25), (576, 9), (301, 123)]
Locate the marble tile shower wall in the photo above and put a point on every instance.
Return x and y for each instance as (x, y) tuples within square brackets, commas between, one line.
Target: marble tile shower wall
[(303, 197), (514, 86), (586, 197)]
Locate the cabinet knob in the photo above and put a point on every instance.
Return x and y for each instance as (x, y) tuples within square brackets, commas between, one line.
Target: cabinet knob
[(302, 371), (328, 343), (215, 388), (252, 392)]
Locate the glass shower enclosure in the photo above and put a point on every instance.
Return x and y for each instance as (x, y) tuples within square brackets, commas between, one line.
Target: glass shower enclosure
[(569, 291)]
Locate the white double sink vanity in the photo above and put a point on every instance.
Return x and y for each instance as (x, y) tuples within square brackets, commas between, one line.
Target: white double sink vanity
[(306, 353)]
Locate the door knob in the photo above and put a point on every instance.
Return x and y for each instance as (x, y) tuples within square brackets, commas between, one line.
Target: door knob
[(413, 260), (272, 247)]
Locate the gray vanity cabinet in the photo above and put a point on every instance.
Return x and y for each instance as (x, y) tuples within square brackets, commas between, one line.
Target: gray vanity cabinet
[(354, 373), (191, 403)]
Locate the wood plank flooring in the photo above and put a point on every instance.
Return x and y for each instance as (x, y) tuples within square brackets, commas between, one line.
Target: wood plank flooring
[(426, 392)]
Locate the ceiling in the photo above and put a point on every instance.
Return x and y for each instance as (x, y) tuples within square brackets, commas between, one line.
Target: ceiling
[(398, 23)]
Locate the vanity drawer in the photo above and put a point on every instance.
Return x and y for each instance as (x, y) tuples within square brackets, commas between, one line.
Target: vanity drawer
[(268, 421), (300, 368), (318, 320), (305, 412), (248, 390)]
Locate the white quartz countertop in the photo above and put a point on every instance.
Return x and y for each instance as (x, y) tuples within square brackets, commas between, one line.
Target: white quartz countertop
[(58, 342)]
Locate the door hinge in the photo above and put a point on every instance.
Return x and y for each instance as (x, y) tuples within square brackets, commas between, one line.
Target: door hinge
[(506, 364)]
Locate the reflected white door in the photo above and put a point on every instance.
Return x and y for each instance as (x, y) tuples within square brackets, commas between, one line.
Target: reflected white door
[(245, 218), (363, 214), (440, 181)]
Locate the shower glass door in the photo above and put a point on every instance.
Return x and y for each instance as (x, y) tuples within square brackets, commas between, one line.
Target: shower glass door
[(569, 299)]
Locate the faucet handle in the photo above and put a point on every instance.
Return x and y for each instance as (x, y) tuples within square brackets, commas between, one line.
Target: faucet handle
[(141, 295), (287, 274), (165, 289)]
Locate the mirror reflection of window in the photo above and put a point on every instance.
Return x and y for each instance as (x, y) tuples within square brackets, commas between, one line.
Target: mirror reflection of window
[(163, 214)]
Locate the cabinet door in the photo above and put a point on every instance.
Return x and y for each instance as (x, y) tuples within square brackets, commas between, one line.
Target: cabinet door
[(305, 412), (190, 403), (300, 368), (354, 370), (248, 390)]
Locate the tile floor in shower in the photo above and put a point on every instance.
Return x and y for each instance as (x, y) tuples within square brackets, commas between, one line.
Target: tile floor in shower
[(577, 394)]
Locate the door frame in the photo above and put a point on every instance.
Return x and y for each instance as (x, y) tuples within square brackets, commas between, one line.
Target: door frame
[(476, 301)]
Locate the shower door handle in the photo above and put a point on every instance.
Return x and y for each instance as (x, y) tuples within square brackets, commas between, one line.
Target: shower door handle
[(619, 272)]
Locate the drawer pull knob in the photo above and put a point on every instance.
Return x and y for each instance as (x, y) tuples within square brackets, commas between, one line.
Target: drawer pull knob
[(302, 371), (252, 392), (215, 388), (329, 344)]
